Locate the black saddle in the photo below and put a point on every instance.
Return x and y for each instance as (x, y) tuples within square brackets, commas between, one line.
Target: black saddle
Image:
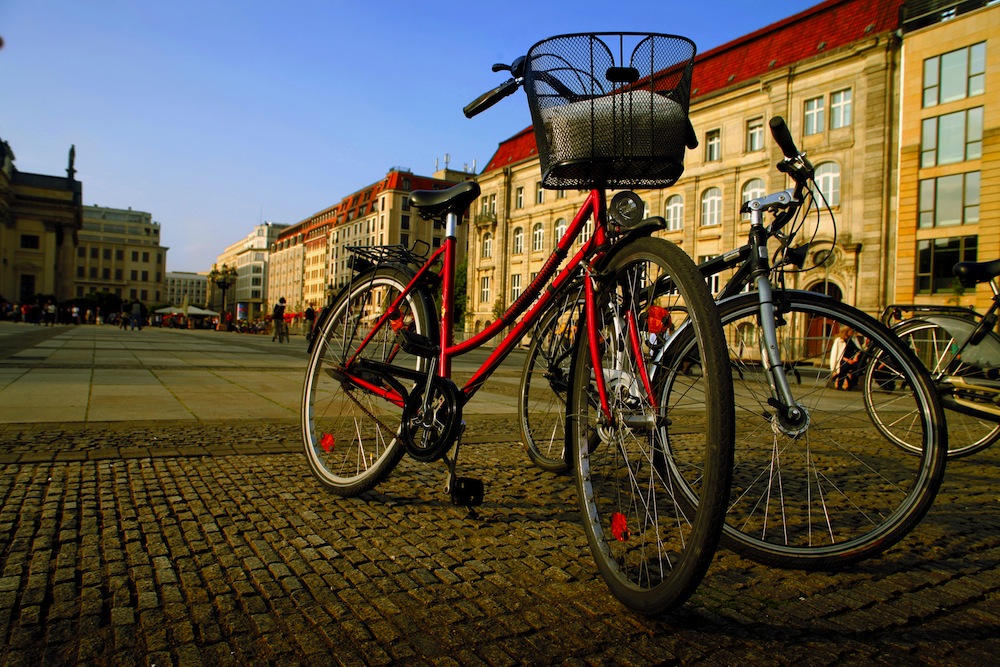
[(436, 204), (972, 273)]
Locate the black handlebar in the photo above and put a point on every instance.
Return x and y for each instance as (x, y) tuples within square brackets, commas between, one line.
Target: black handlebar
[(783, 137), (488, 99)]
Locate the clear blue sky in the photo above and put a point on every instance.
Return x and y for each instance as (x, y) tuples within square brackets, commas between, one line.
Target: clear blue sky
[(216, 114)]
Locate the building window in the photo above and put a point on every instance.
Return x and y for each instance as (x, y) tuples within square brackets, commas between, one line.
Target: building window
[(493, 204), (30, 242), (840, 109), (145, 257), (937, 257), (135, 255), (674, 213), (515, 287), (713, 281), (955, 75), (404, 222), (814, 115), (827, 177), (752, 189), (404, 239), (755, 135), (484, 290), (79, 272), (519, 198), (949, 200), (487, 246), (560, 228), (81, 252), (518, 241), (538, 237), (713, 145), (107, 253), (587, 231), (539, 194), (711, 207), (954, 137)]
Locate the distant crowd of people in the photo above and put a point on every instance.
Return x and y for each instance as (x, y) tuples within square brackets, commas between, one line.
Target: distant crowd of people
[(134, 315)]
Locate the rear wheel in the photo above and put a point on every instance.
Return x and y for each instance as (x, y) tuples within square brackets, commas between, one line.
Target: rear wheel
[(545, 382), (350, 431), (652, 543)]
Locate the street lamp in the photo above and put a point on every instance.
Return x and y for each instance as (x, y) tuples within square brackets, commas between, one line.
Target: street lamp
[(223, 278)]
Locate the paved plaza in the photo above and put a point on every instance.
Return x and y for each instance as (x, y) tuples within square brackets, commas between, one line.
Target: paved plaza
[(157, 510)]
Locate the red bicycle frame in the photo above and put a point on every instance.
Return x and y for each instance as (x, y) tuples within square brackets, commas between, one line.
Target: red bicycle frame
[(532, 303)]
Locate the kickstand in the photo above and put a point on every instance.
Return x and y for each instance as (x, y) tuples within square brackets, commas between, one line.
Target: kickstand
[(463, 490)]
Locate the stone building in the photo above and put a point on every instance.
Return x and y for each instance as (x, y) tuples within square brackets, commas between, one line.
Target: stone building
[(378, 214), (830, 71), (119, 252), (40, 218), (248, 298), (185, 287)]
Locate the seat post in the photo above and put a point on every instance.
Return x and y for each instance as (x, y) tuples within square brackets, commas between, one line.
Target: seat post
[(448, 293)]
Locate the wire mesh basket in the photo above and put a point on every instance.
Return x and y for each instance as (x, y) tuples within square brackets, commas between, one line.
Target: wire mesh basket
[(610, 109)]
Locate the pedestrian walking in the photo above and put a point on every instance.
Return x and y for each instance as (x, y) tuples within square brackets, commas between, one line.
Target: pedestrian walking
[(136, 315), (310, 322), (278, 317)]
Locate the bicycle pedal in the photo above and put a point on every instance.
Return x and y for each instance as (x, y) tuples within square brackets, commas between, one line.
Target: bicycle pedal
[(468, 491), (414, 343)]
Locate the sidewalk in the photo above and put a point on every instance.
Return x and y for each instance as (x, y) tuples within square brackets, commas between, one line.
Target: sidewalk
[(191, 533)]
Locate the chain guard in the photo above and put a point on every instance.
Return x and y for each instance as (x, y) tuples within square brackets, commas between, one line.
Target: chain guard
[(429, 437)]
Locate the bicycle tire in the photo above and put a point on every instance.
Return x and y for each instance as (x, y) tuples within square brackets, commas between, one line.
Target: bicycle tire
[(835, 491), (933, 346), (651, 545), (545, 379), (335, 412)]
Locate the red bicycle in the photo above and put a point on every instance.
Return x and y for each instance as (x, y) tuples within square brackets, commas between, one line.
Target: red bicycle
[(609, 111)]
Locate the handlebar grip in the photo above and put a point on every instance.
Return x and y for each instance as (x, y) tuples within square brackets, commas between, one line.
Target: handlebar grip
[(783, 137), (488, 99)]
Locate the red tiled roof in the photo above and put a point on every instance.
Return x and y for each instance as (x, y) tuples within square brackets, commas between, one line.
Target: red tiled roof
[(814, 31), (358, 202)]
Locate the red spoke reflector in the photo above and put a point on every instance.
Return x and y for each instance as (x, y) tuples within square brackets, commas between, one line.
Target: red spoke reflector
[(327, 442), (619, 527)]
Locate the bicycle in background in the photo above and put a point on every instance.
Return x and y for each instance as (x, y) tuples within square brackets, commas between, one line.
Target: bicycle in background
[(961, 349)]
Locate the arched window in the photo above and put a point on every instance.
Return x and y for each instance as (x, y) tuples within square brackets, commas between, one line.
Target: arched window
[(674, 213), (752, 189), (518, 241), (538, 237), (560, 228), (828, 179), (487, 245), (711, 207)]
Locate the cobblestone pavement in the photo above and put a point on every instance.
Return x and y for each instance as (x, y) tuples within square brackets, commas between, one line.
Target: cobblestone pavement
[(211, 544), (208, 543)]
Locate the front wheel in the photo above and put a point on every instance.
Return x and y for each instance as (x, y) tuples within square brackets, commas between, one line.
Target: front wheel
[(936, 349), (652, 544), (351, 416), (829, 488)]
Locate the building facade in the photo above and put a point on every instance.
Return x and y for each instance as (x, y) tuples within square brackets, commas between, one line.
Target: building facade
[(40, 218), (119, 252), (831, 72), (949, 157), (185, 288), (379, 214), (247, 298)]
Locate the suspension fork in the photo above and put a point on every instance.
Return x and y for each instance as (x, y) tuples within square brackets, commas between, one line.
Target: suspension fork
[(781, 391)]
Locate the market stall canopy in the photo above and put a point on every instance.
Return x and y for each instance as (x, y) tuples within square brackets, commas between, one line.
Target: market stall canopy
[(189, 311)]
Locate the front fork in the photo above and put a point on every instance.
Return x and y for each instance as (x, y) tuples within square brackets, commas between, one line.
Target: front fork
[(791, 416)]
